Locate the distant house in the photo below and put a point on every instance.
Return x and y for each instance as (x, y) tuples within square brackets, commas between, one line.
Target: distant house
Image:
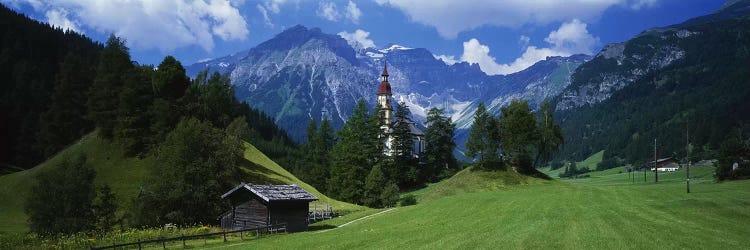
[(665, 165), (264, 205)]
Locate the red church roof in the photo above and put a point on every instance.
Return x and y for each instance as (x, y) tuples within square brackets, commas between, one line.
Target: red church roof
[(384, 88)]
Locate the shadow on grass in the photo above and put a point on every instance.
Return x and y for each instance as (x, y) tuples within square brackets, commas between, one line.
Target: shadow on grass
[(320, 227)]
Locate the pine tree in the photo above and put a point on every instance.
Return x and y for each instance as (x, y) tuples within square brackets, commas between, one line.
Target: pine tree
[(352, 156), (440, 144), (374, 185), (132, 123), (402, 146), (103, 99), (65, 121), (484, 137)]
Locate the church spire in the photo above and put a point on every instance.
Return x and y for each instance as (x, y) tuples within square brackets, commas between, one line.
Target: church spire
[(385, 71)]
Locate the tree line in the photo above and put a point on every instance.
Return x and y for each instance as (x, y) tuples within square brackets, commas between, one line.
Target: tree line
[(352, 164)]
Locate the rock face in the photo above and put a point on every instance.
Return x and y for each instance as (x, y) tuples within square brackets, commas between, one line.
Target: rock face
[(619, 65), (303, 74)]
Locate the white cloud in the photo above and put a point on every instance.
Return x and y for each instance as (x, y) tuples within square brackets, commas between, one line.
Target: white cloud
[(352, 12), (449, 60), (165, 25), (358, 39), (451, 17), (264, 13), (328, 11), (267, 8), (59, 18), (524, 41), (571, 38), (639, 4)]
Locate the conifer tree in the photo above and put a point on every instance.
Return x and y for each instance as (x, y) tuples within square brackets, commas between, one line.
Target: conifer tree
[(402, 146), (132, 123), (440, 144), (484, 140), (374, 186), (65, 121), (352, 156), (114, 64)]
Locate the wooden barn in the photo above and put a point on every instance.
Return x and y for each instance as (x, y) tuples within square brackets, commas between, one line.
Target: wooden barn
[(264, 205)]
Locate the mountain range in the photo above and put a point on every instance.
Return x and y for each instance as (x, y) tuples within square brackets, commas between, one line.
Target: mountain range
[(303, 73)]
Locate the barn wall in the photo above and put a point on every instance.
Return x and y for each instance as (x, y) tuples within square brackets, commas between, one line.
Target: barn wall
[(250, 214), (293, 213)]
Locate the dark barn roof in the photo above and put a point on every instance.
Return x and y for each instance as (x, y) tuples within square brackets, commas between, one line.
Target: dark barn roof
[(274, 192)]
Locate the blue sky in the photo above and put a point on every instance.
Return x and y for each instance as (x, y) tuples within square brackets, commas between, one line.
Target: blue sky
[(502, 36)]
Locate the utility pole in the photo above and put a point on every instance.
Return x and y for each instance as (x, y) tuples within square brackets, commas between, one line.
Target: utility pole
[(656, 168), (687, 155)]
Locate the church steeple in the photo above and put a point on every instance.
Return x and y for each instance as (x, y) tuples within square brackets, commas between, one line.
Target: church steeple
[(384, 98)]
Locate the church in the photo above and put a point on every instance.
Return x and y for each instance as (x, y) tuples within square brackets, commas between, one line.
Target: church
[(386, 111)]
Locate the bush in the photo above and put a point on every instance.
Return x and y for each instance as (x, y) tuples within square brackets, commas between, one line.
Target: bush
[(408, 200)]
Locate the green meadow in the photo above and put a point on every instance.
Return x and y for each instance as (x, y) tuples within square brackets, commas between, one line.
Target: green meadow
[(606, 211), (474, 209)]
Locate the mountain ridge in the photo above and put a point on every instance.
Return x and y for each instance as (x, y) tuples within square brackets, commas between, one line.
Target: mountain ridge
[(303, 73)]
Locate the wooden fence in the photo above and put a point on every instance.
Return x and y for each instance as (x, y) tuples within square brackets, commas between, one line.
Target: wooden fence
[(319, 212), (259, 231)]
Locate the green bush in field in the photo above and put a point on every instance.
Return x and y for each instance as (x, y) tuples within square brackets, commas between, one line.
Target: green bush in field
[(408, 200)]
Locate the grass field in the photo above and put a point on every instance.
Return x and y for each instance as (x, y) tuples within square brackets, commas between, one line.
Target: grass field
[(125, 176), (606, 211)]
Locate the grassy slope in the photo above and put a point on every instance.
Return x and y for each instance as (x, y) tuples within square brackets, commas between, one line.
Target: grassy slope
[(125, 176), (276, 174), (472, 180), (605, 211), (589, 162)]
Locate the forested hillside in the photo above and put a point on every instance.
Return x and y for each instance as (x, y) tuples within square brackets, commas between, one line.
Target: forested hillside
[(44, 99), (705, 88), (46, 74)]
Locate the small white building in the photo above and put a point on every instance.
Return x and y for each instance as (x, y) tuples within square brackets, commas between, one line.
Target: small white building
[(665, 165)]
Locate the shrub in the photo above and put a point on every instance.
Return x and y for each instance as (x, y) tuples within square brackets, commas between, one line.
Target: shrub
[(408, 200)]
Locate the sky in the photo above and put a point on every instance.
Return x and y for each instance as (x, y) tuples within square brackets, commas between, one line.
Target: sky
[(502, 36)]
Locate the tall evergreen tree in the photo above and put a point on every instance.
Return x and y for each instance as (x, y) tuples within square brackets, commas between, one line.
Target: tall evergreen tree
[(402, 148), (65, 121), (132, 123), (114, 65), (440, 144), (484, 137), (353, 155), (374, 185)]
